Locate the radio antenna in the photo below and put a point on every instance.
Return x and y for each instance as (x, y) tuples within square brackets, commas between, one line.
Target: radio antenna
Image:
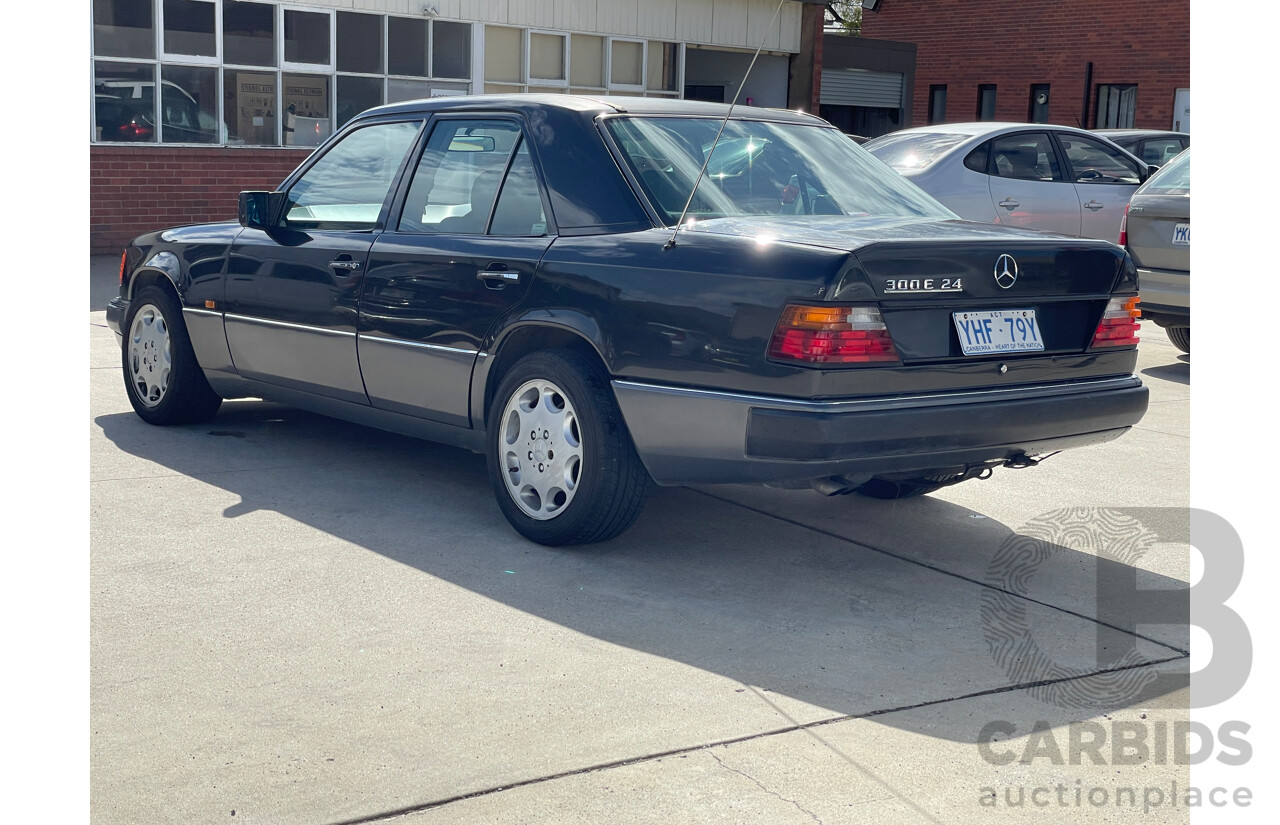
[(703, 171)]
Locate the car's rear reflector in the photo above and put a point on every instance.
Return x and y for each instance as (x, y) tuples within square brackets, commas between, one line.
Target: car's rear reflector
[(1124, 227), (832, 335), (1119, 324)]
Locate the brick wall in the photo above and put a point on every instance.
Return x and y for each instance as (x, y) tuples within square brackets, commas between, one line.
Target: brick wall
[(1017, 43), (137, 189)]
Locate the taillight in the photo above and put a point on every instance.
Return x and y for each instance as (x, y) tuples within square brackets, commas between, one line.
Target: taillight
[(1124, 227), (1119, 324), (832, 335), (123, 255)]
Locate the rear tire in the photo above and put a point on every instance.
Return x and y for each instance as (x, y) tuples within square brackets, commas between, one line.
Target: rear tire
[(561, 462), (1180, 336), (161, 376)]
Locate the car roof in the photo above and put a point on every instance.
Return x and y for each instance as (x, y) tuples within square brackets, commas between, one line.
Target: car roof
[(588, 104), (1140, 132), (986, 127)]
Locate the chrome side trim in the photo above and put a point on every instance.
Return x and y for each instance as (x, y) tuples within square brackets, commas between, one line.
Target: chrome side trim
[(213, 313), (418, 344), (248, 319), (894, 401)]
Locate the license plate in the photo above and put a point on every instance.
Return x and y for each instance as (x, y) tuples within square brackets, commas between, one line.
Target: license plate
[(1182, 234), (998, 330)]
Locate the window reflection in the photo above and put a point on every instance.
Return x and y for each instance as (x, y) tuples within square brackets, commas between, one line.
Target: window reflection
[(189, 104), (124, 102)]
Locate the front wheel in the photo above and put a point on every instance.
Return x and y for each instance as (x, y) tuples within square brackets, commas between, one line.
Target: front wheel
[(562, 465), (164, 382), (1180, 337)]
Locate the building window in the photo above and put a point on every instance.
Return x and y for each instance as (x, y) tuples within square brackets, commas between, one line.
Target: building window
[(306, 37), (1116, 105), (123, 28), (626, 63), (450, 49), (359, 42), (1038, 105), (124, 102), (586, 60), (250, 104), (987, 101), (937, 104), (663, 67), (546, 57), (249, 33), (189, 104), (190, 28)]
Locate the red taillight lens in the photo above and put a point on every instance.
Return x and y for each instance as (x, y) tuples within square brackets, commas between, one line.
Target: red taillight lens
[(123, 255), (1124, 227), (1119, 324), (832, 335)]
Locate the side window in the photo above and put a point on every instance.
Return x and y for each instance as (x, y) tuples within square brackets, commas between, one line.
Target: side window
[(1094, 162), (1027, 156), (519, 210), (347, 187), (977, 159), (1159, 151), (458, 176)]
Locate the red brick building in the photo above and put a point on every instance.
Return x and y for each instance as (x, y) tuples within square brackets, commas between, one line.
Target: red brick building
[(1090, 63)]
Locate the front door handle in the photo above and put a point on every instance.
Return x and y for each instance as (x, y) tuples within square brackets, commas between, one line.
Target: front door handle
[(1094, 206), (1009, 203), (345, 263)]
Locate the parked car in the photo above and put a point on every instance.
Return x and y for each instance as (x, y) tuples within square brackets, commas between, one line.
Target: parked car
[(529, 277), (1155, 147), (1157, 234), (1037, 176)]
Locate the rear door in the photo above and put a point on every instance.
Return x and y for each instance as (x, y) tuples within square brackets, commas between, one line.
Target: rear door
[(459, 255), (292, 292), (1105, 179), (1027, 184)]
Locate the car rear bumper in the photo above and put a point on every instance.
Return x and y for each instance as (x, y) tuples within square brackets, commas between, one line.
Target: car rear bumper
[(687, 436), (1166, 295)]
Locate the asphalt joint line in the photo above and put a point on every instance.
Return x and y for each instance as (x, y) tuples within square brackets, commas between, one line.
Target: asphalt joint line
[(761, 786)]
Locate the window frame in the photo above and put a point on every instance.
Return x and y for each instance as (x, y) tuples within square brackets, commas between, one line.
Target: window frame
[(409, 171), (1068, 168), (530, 79), (1060, 156), (609, 82), (190, 59), (394, 191)]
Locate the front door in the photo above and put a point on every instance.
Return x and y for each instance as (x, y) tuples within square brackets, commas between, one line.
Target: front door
[(461, 254), (1105, 178), (290, 306)]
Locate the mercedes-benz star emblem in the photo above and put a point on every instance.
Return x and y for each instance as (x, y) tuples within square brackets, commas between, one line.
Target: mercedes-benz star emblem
[(1006, 271)]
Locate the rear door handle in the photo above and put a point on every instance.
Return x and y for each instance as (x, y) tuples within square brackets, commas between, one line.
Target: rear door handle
[(1094, 205), (498, 278), (1009, 203)]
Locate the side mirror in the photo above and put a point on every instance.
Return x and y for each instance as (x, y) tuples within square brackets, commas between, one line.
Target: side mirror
[(260, 210)]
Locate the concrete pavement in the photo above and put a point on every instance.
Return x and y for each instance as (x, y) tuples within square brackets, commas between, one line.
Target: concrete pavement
[(301, 621)]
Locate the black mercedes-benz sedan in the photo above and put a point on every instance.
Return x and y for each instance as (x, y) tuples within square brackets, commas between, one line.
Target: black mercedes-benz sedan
[(601, 294)]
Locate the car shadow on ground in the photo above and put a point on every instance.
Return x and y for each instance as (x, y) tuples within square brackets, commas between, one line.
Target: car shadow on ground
[(858, 628), (1179, 373)]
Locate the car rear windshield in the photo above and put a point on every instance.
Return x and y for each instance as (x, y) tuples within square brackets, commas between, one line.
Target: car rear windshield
[(911, 152), (761, 168), (1174, 178)]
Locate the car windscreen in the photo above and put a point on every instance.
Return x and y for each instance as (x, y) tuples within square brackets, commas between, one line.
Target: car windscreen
[(910, 152), (1174, 178), (761, 168)]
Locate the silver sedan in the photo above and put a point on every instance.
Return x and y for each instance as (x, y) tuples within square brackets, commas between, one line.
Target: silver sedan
[(1033, 175)]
